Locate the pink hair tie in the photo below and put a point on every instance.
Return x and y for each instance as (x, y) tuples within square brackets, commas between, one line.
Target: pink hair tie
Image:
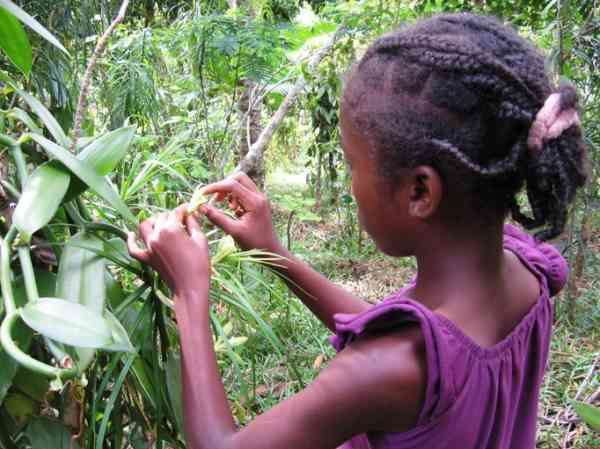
[(550, 122)]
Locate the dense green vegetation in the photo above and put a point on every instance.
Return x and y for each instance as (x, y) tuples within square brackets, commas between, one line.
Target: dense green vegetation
[(185, 92)]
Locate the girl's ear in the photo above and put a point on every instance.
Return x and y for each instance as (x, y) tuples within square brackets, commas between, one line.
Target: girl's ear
[(425, 192)]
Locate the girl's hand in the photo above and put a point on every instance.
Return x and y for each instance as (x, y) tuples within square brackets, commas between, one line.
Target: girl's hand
[(176, 248), (254, 227)]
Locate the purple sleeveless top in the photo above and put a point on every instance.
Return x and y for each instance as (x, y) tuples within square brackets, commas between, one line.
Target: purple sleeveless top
[(476, 398)]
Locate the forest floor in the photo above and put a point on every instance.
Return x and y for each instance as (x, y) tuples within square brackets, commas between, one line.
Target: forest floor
[(355, 263)]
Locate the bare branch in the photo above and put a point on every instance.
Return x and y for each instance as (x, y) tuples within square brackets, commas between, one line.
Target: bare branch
[(87, 77), (258, 147)]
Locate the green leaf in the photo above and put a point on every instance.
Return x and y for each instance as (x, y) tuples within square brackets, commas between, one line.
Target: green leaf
[(114, 291), (81, 280), (45, 433), (87, 174), (32, 23), (173, 371), (41, 197), (81, 273), (103, 155), (589, 414), (46, 285), (67, 322), (19, 407), (34, 385), (20, 114), (119, 335), (46, 116), (14, 42)]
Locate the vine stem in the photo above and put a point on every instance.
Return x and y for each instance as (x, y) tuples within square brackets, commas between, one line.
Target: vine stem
[(5, 278), (26, 360), (87, 77)]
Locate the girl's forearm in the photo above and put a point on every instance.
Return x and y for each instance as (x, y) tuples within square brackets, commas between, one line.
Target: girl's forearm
[(207, 416), (319, 294)]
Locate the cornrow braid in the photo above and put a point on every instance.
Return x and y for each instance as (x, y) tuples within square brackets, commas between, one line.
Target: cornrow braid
[(460, 92)]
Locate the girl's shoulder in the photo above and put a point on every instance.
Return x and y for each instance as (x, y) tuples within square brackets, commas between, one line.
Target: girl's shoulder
[(542, 259)]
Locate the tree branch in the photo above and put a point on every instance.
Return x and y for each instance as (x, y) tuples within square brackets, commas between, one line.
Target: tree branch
[(87, 78), (258, 148)]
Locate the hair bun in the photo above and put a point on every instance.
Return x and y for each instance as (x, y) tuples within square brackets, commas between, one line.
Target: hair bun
[(558, 113), (568, 96)]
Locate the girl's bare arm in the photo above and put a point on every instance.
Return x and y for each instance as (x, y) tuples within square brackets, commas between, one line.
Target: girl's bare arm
[(376, 384)]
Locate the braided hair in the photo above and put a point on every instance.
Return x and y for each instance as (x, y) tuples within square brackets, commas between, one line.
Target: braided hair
[(460, 92)]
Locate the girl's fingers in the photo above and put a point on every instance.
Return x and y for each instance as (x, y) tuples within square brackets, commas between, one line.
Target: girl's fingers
[(246, 197), (227, 224), (135, 251), (195, 231), (177, 218), (245, 180), (146, 228)]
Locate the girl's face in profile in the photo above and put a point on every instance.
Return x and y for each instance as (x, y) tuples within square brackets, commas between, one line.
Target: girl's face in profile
[(378, 211)]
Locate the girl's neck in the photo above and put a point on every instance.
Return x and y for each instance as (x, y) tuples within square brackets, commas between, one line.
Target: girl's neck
[(458, 269)]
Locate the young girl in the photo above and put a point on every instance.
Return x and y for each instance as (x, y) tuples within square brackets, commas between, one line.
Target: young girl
[(442, 123)]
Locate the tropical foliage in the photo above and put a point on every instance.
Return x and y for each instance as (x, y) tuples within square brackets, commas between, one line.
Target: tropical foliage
[(89, 352)]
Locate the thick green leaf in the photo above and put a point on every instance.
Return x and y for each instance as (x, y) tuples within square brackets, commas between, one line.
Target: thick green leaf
[(41, 197), (103, 155), (87, 174), (119, 335), (81, 279), (81, 273), (590, 414), (20, 114), (173, 371), (68, 323), (14, 42), (31, 23), (46, 117), (45, 433)]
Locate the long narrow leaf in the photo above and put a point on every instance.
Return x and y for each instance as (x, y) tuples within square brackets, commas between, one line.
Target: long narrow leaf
[(96, 182), (590, 414), (32, 23), (46, 116), (14, 42), (20, 114)]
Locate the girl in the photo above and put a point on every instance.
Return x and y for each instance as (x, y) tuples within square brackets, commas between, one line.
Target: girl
[(442, 123)]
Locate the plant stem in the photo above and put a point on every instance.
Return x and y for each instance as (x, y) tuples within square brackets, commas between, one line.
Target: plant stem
[(73, 212), (21, 165), (28, 274), (7, 141), (5, 280), (93, 226), (25, 360), (12, 190)]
